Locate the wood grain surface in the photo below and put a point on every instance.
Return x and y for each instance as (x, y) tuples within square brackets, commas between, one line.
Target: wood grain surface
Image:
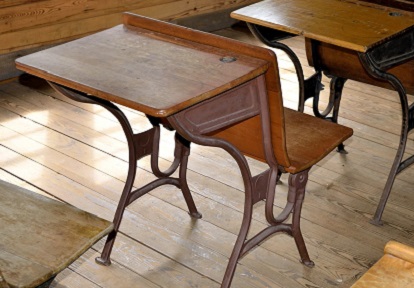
[(343, 24), (41, 236), (151, 72), (25, 24)]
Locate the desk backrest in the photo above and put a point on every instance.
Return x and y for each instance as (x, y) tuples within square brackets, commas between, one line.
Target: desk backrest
[(243, 135)]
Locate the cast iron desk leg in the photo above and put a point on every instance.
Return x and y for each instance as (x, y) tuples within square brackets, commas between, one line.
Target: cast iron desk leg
[(407, 125), (139, 145)]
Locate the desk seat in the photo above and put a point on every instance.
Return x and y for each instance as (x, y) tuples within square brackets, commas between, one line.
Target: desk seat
[(310, 139)]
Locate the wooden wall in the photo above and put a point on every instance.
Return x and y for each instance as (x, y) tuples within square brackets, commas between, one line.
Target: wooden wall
[(27, 26), (32, 23)]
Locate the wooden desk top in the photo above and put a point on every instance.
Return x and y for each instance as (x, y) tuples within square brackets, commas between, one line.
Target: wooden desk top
[(347, 25), (147, 65)]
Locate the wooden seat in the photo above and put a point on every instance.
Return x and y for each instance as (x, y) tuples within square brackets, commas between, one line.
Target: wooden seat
[(309, 140), (40, 236), (394, 270), (298, 140)]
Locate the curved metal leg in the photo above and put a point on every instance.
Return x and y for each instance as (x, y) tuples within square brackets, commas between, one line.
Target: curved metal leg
[(292, 56), (297, 185), (185, 152), (256, 188), (139, 145), (155, 153), (247, 180), (237, 252), (336, 87), (407, 112), (181, 153), (123, 202), (310, 87), (296, 194)]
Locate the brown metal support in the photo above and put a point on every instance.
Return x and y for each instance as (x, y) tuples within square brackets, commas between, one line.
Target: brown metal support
[(297, 185), (139, 145), (193, 125), (155, 152), (247, 180), (398, 165), (185, 153), (308, 88), (336, 87), (257, 187)]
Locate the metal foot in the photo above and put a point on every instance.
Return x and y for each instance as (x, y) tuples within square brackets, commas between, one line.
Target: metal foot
[(196, 215), (376, 222), (341, 149), (103, 262), (308, 263)]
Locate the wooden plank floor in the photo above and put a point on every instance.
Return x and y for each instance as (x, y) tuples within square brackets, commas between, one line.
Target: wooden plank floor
[(77, 153)]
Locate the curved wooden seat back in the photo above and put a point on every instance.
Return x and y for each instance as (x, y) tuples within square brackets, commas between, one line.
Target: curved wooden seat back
[(247, 135)]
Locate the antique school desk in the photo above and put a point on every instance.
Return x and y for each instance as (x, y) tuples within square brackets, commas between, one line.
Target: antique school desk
[(212, 91), (345, 41)]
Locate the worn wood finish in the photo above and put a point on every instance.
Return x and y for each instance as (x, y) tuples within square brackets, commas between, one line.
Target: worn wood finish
[(180, 82), (41, 236), (167, 75), (308, 139), (345, 63), (183, 83), (273, 89), (393, 270), (358, 30), (285, 147), (26, 24), (391, 5), (3, 283)]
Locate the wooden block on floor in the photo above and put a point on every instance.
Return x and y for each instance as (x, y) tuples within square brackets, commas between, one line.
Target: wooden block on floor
[(394, 270), (41, 236)]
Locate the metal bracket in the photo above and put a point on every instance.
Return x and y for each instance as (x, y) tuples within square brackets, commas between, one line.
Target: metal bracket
[(270, 37), (139, 145), (411, 117), (394, 51), (373, 64)]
